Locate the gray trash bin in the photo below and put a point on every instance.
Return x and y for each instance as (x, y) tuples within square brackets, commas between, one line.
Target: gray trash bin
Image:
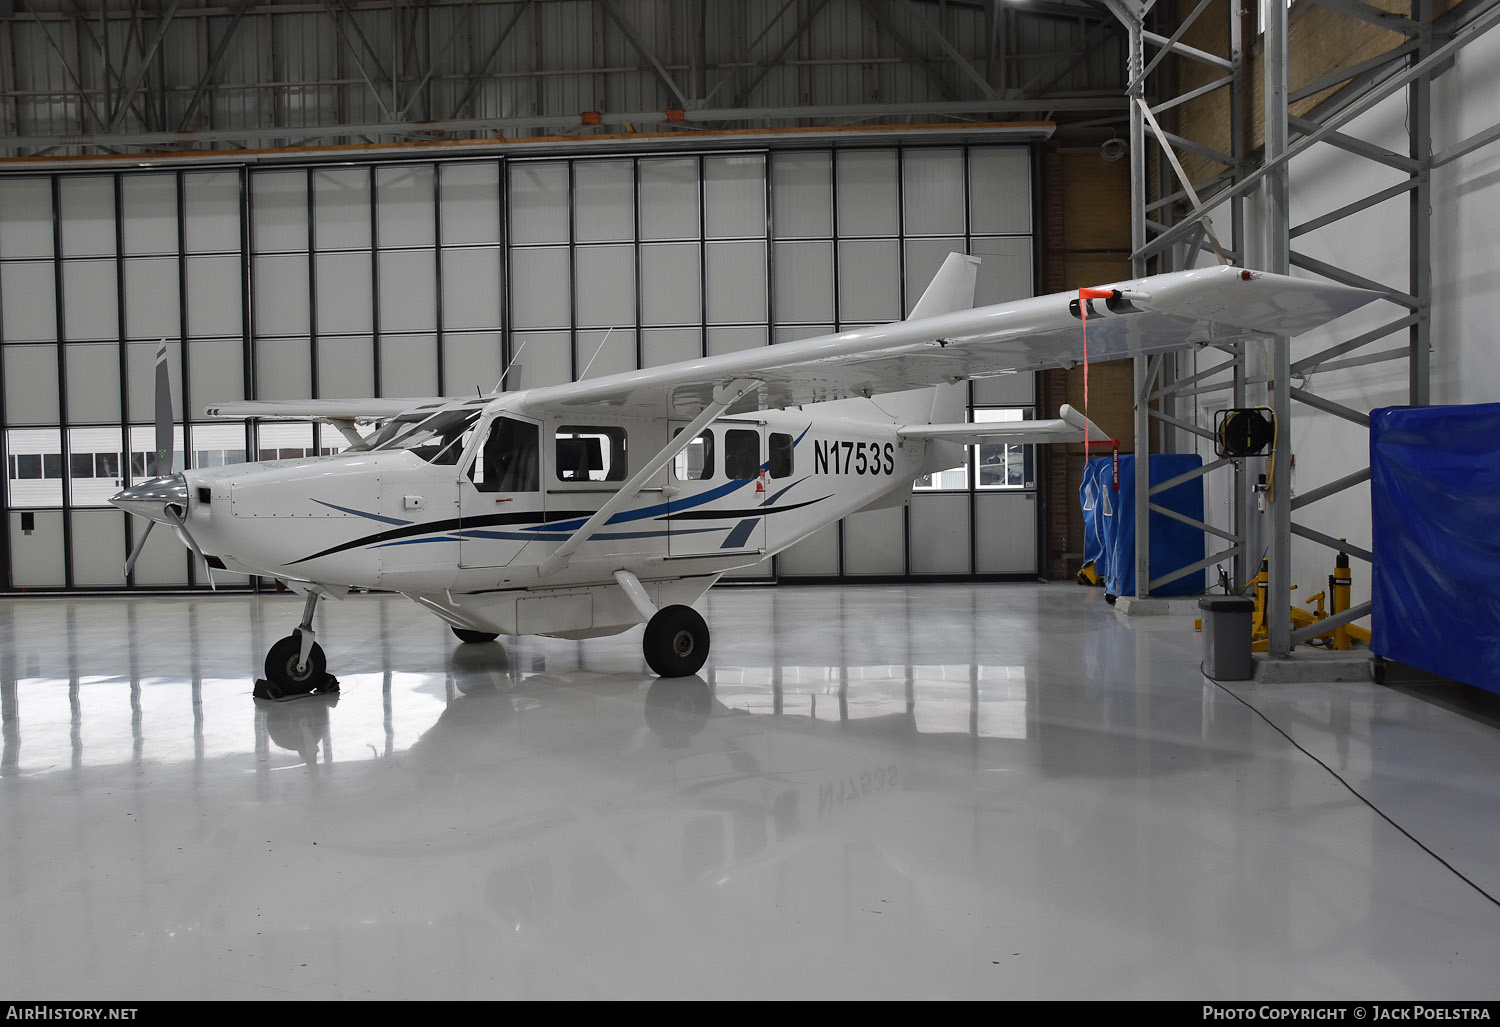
[(1226, 637)]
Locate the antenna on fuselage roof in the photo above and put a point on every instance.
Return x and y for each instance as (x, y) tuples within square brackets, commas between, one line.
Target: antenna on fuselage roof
[(515, 362), (596, 354)]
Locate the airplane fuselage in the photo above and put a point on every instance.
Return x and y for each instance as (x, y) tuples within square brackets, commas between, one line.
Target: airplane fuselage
[(467, 538)]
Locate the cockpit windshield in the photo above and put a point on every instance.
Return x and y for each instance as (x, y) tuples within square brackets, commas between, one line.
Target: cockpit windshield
[(436, 438)]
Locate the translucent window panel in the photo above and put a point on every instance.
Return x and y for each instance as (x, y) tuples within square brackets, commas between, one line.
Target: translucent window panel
[(25, 217), (346, 366), (470, 198), (669, 198), (163, 560), (471, 359), (602, 352), (93, 382), (30, 384), (344, 292), (736, 282), (216, 369), (88, 216), (874, 542), (818, 554), (405, 195), (669, 345), (804, 281), (1004, 269), (472, 286), (278, 211), (1006, 389), (141, 378), (408, 290), (341, 208), (732, 340), (1005, 533), (149, 206), (606, 293), (604, 201), (802, 194), (932, 188), (795, 333), (734, 196), (540, 288), (281, 436), (96, 466), (37, 477), (151, 307), (671, 285), (283, 369), (281, 295), (539, 202), (90, 300), (540, 358), (36, 560), (215, 291), (869, 281), (1000, 190), (408, 365), (211, 201), (940, 533), (1003, 465), (29, 311), (869, 200)]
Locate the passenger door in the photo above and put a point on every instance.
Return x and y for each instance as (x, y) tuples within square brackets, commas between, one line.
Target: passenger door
[(717, 488), (500, 493)]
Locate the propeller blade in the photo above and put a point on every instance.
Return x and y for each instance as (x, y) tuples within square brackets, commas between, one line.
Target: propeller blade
[(164, 447), (171, 513), (139, 545)]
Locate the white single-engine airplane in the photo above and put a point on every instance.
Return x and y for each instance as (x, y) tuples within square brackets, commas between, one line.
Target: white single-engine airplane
[(584, 509)]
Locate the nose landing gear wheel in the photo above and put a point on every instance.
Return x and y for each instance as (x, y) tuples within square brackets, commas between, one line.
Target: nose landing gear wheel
[(465, 635), (282, 673), (676, 642)]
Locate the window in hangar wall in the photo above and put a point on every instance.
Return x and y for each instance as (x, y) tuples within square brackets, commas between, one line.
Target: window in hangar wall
[(434, 277)]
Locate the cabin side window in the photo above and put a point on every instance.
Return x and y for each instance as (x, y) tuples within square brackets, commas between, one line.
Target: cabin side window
[(508, 460), (741, 453), (781, 455), (587, 453), (696, 462)]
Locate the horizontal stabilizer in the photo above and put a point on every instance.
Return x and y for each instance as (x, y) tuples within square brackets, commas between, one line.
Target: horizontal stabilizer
[(1070, 427)]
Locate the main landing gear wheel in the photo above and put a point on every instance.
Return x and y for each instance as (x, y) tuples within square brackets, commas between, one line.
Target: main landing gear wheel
[(676, 642), (465, 635), (282, 671)]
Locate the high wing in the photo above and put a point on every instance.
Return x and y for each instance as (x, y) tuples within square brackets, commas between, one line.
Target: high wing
[(344, 414), (1149, 315), (361, 411)]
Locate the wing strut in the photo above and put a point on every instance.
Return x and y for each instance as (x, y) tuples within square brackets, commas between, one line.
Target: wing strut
[(724, 397)]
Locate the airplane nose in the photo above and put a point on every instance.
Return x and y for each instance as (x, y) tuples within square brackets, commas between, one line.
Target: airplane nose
[(150, 499)]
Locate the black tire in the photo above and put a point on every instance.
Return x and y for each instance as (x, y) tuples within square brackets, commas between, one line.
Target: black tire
[(281, 667), (676, 642), (465, 635)]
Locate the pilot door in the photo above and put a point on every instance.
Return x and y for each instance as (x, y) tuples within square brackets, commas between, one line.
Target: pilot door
[(716, 489), (500, 496)]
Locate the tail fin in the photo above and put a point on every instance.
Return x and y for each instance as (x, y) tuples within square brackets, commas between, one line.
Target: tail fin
[(952, 288)]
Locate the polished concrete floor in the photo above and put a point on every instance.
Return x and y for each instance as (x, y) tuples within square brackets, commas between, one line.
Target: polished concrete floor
[(993, 791)]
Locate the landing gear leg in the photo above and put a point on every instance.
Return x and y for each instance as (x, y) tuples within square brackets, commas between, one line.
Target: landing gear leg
[(296, 664)]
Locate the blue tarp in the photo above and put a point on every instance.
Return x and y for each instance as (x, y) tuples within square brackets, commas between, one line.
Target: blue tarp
[(1109, 523), (1435, 510)]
